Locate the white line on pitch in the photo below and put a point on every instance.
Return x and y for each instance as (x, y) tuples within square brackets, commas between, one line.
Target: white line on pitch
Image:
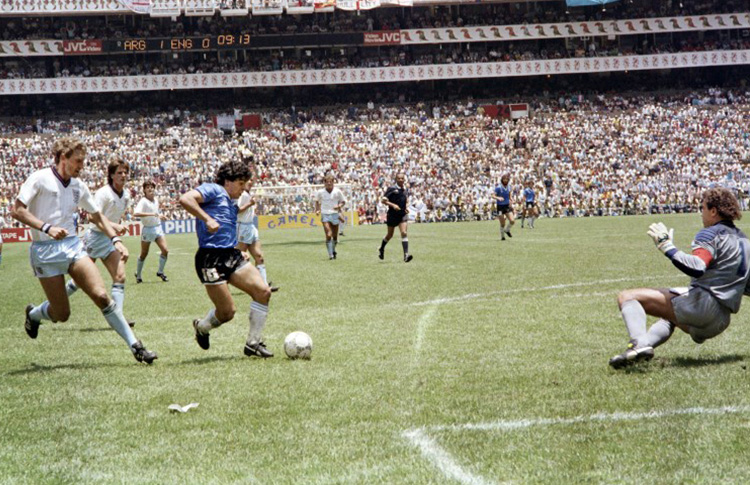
[(527, 423), (442, 459), (474, 296), (445, 462), (424, 321)]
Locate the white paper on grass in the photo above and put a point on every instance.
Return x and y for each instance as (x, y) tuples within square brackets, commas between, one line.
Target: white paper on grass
[(182, 409)]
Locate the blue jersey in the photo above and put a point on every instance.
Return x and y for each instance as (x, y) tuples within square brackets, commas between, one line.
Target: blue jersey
[(218, 205), (528, 193), (504, 192)]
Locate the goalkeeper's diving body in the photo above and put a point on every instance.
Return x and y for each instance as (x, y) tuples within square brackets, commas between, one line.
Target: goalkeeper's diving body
[(718, 267)]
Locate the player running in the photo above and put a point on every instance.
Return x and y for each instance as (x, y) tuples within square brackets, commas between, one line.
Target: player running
[(219, 262), (502, 194), (47, 202), (328, 204), (530, 209), (396, 198), (719, 271), (247, 234), (113, 200), (148, 210)]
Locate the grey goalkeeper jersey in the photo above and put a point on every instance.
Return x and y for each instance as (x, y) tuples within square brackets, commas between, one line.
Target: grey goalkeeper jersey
[(719, 263)]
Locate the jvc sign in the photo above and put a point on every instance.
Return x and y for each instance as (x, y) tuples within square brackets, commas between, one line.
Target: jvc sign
[(383, 37)]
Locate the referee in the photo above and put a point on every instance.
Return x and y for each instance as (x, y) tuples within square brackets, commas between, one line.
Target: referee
[(396, 198)]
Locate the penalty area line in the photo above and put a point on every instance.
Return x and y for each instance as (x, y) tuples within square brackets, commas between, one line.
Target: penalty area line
[(444, 461), (474, 296)]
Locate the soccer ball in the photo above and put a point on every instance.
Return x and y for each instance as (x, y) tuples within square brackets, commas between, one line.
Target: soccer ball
[(298, 345)]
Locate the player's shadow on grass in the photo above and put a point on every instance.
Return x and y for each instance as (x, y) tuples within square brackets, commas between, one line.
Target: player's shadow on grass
[(705, 361), (208, 360), (84, 330), (34, 368)]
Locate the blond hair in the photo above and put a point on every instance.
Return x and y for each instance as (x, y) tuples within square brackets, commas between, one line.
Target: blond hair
[(67, 147)]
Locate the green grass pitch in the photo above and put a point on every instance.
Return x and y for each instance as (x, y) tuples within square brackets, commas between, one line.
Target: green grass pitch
[(479, 362)]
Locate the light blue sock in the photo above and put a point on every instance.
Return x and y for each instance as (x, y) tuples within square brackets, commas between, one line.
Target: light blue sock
[(40, 312), (113, 315), (1, 258), (162, 263), (139, 268), (262, 271), (329, 245), (118, 295), (71, 287)]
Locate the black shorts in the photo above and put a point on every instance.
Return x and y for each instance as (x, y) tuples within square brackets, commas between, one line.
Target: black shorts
[(394, 218), (215, 265), (530, 205), (504, 209)]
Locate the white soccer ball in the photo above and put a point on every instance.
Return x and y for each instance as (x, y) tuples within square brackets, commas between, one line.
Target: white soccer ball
[(298, 345)]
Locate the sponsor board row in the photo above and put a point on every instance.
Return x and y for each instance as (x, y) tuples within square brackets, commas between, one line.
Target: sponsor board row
[(318, 77), (184, 226)]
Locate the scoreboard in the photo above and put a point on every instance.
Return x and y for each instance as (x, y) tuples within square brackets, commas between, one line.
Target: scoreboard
[(206, 43), (229, 41)]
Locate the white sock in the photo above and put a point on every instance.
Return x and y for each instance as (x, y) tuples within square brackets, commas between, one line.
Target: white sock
[(635, 319), (71, 287), (40, 312), (258, 316), (209, 322), (262, 271)]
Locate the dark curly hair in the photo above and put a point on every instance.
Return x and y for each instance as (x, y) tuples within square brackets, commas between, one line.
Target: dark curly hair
[(725, 203), (234, 170)]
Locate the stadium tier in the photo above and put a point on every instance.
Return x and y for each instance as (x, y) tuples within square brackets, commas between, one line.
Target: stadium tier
[(367, 93)]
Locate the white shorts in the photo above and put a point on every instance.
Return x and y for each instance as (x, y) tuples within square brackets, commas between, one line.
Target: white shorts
[(97, 244), (151, 233), (247, 233), (53, 258), (331, 218), (698, 310)]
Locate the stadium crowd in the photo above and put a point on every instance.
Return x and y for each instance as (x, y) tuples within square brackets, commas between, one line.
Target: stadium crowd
[(602, 155), (155, 64), (100, 27)]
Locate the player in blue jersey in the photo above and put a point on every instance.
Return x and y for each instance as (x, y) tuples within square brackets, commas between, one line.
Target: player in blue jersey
[(219, 262), (530, 208), (718, 268), (502, 194)]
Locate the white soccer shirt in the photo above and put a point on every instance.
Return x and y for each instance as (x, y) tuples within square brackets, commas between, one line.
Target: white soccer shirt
[(112, 205), (145, 206), (329, 200), (49, 199), (248, 215)]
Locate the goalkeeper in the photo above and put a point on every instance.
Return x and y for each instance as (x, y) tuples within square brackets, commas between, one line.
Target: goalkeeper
[(718, 270)]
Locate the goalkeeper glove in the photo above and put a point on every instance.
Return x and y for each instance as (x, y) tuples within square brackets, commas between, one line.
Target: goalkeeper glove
[(662, 236)]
